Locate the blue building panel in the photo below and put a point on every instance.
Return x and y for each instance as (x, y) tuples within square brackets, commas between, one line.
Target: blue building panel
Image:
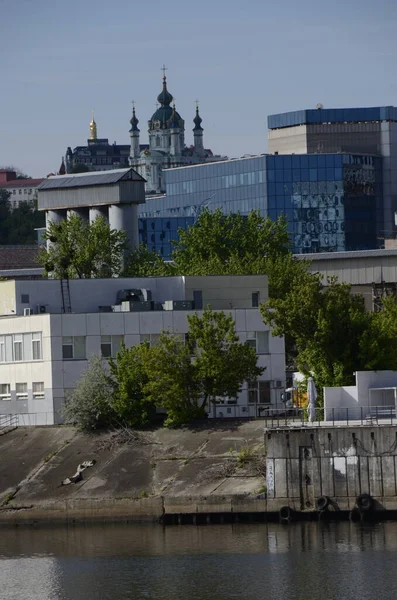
[(332, 115)]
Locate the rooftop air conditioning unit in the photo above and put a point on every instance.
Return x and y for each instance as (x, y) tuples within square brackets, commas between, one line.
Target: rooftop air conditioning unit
[(41, 309), (27, 312), (183, 305)]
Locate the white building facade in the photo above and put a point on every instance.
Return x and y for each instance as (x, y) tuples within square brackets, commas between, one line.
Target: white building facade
[(44, 351)]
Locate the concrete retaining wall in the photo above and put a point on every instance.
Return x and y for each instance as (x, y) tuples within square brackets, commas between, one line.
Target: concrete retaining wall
[(338, 462)]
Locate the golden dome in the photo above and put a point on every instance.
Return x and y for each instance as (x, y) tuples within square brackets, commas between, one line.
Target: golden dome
[(93, 128)]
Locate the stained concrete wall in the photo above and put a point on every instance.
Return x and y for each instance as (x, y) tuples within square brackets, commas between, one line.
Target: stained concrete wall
[(338, 462)]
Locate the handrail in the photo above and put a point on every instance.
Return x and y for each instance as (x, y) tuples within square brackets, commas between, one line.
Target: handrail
[(8, 421)]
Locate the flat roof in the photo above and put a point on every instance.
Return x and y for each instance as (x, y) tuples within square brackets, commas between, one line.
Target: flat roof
[(332, 115), (89, 179), (349, 254)]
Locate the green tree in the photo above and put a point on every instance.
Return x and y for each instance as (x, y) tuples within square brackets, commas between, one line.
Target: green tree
[(90, 404), (186, 378), (83, 250), (142, 262), (172, 383), (332, 332), (128, 377), (21, 223), (227, 245)]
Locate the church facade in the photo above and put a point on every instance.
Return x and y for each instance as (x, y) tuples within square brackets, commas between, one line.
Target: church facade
[(166, 147)]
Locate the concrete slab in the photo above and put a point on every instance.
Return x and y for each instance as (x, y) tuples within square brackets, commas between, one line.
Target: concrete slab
[(23, 451)]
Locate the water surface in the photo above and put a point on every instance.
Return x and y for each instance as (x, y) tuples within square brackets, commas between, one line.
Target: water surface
[(308, 561)]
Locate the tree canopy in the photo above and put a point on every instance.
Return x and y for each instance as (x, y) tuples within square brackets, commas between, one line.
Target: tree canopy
[(332, 332), (83, 250), (233, 244), (17, 226)]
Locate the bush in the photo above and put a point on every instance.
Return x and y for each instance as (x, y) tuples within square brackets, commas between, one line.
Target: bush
[(89, 406)]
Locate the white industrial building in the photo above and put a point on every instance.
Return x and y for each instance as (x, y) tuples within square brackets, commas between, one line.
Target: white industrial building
[(49, 328)]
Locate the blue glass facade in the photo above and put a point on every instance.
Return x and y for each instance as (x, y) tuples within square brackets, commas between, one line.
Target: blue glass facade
[(157, 233), (332, 115), (332, 202)]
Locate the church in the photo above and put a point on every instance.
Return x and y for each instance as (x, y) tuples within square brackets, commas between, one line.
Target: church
[(166, 148)]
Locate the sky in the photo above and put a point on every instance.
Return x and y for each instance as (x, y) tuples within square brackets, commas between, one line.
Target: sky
[(243, 60)]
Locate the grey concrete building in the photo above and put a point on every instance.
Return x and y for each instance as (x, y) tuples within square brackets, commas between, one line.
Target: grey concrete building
[(114, 195)]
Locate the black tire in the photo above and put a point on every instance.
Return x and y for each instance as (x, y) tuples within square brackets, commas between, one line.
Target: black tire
[(365, 502), (322, 503), (285, 513)]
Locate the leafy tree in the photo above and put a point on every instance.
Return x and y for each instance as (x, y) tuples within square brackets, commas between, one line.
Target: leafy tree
[(185, 378), (222, 363), (142, 262), (21, 224), (229, 244), (128, 376), (333, 334), (90, 404), (172, 382), (83, 250)]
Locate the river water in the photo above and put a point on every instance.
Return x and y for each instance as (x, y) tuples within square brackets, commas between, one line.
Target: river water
[(308, 561)]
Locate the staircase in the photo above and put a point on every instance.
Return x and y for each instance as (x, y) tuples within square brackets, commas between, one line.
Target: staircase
[(65, 291)]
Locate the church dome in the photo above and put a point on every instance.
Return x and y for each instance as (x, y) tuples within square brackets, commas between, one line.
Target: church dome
[(165, 117), (165, 98), (197, 121), (134, 121)]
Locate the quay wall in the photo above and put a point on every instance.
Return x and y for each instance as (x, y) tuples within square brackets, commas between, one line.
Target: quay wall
[(340, 463)]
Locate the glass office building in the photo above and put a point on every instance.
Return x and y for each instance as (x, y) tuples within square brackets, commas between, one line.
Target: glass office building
[(332, 202)]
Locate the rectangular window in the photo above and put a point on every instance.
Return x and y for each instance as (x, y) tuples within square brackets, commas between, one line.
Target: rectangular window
[(259, 340), (21, 390), (264, 392), (198, 299), (144, 337), (255, 299), (110, 345), (251, 339), (38, 389), (5, 391), (262, 338), (25, 299), (73, 347), (17, 346), (36, 346)]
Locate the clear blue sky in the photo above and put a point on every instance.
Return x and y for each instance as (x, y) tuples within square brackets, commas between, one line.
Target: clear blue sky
[(242, 59)]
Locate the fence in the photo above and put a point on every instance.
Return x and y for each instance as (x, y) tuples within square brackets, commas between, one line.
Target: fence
[(7, 421), (353, 415)]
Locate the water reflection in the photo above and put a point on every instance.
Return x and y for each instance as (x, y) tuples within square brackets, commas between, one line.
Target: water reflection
[(310, 560)]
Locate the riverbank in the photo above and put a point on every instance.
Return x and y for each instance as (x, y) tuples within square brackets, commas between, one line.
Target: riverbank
[(139, 476)]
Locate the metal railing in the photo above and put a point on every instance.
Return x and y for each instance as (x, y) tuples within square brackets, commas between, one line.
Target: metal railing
[(7, 421), (356, 415)]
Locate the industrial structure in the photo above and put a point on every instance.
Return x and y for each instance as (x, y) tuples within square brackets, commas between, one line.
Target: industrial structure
[(114, 195)]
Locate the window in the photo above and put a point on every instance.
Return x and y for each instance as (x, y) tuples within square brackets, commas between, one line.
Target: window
[(36, 346), (255, 299), (18, 352), (14, 192), (110, 345), (25, 299), (2, 349), (198, 299), (38, 389), (5, 392), (21, 390), (259, 392), (73, 347), (20, 192), (259, 340)]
